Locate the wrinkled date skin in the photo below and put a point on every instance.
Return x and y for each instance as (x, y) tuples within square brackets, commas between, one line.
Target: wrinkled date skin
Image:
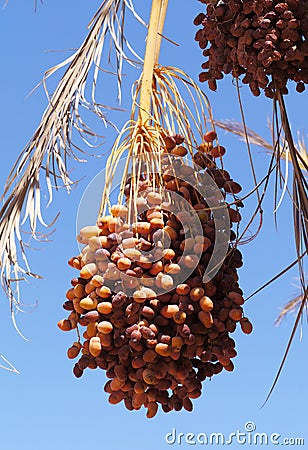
[(264, 42)]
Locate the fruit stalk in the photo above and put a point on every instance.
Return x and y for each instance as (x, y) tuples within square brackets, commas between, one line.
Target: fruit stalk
[(160, 30), (155, 26), (293, 153)]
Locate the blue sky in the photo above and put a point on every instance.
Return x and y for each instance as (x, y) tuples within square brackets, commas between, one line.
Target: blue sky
[(45, 406)]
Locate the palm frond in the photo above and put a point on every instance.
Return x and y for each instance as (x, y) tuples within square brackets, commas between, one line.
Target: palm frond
[(278, 275), (237, 128), (284, 148), (299, 199), (44, 160), (9, 366), (35, 4), (302, 305), (289, 308)]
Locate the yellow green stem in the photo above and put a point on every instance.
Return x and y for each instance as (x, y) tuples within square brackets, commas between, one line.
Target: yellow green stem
[(162, 19), (149, 61)]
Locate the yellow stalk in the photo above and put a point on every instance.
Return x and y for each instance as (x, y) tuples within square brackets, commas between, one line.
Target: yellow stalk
[(149, 61), (161, 29)]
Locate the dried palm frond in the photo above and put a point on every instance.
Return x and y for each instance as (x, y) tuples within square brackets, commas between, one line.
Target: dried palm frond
[(9, 366), (303, 154), (299, 197), (302, 305), (254, 138), (278, 275), (300, 185), (46, 155), (290, 307), (237, 128), (35, 4), (284, 148)]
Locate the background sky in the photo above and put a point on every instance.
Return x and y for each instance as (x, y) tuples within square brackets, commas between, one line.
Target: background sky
[(45, 407)]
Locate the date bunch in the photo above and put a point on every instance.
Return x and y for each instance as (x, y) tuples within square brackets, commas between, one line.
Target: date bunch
[(264, 41), (149, 319)]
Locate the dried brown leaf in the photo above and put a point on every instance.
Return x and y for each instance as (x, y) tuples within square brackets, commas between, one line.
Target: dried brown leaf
[(44, 160)]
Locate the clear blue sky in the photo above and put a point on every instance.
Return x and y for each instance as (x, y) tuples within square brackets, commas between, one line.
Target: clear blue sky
[(45, 407)]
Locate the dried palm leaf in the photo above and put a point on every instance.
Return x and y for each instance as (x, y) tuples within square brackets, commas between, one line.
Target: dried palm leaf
[(302, 305), (47, 153), (283, 148), (292, 306), (300, 212), (278, 275), (35, 4), (237, 128), (9, 367)]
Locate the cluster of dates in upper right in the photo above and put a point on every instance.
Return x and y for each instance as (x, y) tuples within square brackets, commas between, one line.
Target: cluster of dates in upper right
[(264, 41)]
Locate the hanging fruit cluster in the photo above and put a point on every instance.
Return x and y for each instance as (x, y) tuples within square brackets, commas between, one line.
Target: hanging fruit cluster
[(263, 40), (151, 321)]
